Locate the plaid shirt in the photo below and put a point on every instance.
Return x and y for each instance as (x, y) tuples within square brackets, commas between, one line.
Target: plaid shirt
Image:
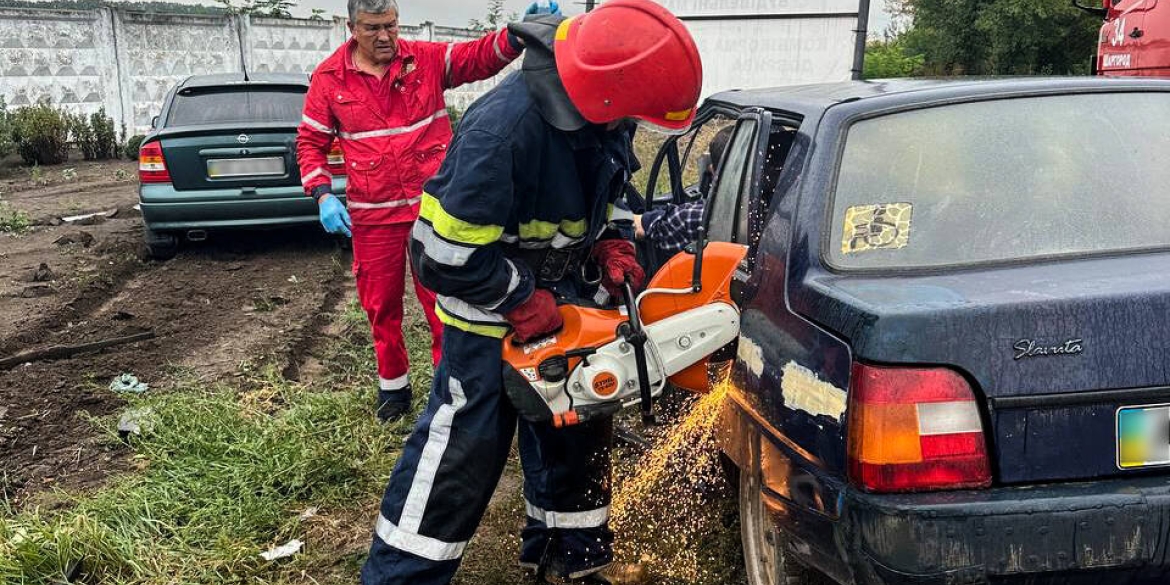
[(674, 227)]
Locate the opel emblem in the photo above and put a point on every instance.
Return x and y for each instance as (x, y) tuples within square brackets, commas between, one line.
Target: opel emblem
[(243, 138)]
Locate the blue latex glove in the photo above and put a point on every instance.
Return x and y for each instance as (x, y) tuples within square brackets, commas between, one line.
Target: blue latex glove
[(551, 8), (334, 217)]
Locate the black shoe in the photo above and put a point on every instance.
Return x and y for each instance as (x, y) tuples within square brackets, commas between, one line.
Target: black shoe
[(392, 406)]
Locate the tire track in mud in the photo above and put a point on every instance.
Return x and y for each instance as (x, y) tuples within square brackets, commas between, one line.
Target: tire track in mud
[(124, 267), (259, 297)]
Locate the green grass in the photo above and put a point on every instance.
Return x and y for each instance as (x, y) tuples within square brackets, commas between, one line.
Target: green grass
[(225, 473), (13, 221)]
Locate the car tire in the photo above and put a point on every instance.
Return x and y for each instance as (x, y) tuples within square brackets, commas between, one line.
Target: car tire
[(765, 549), (161, 246)]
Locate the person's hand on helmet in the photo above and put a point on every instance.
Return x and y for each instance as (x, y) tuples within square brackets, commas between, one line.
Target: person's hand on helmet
[(536, 318), (618, 261), (334, 217), (537, 9)]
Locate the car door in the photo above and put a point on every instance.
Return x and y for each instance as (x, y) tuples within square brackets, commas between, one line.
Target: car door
[(783, 363)]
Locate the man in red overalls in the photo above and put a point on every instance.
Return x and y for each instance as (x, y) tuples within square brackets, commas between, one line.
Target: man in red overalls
[(381, 98)]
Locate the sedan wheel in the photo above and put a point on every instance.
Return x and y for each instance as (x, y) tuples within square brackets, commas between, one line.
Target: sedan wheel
[(764, 550)]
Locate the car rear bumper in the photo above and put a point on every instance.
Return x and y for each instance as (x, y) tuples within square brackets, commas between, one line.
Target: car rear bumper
[(1114, 531), (165, 209)]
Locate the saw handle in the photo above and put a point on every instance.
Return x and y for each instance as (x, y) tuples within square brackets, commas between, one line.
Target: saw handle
[(636, 336)]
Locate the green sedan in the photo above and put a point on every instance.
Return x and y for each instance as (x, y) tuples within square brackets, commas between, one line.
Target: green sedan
[(222, 155)]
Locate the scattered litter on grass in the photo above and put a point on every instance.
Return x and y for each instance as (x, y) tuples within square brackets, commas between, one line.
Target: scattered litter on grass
[(310, 513), (128, 384), (282, 552), (134, 422)]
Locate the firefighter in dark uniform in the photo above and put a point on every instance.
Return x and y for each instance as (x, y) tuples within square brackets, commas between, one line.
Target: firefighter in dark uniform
[(526, 206)]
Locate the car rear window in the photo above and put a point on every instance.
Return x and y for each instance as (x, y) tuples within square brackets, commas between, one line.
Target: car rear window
[(237, 105), (1004, 180)]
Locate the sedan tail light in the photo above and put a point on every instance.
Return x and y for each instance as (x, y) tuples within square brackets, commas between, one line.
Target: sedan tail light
[(152, 167), (915, 429), (336, 160)]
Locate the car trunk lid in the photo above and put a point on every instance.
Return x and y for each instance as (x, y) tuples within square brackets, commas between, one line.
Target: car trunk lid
[(1055, 348), (248, 158)]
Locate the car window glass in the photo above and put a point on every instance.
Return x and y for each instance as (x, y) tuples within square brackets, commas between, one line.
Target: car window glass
[(1006, 179), (753, 208), (235, 106), (725, 200), (696, 146)]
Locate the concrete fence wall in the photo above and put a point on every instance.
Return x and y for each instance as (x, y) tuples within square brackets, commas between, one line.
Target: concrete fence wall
[(127, 61)]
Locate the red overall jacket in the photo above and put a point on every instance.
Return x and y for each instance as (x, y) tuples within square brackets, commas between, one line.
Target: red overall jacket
[(390, 148)]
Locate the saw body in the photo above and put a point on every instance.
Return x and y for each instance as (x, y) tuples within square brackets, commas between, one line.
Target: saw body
[(591, 368)]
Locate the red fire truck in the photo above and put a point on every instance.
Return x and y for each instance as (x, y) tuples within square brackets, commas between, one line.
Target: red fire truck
[(1135, 39)]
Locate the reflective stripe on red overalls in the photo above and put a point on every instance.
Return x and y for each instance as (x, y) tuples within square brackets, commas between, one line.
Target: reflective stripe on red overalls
[(393, 133)]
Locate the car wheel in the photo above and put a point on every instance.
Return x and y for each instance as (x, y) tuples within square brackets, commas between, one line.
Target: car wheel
[(764, 550), (162, 246)]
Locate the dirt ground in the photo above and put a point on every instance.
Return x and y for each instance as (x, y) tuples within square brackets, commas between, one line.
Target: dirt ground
[(219, 304)]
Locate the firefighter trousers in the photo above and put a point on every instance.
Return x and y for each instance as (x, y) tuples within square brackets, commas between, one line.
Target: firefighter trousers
[(452, 462), (379, 265)]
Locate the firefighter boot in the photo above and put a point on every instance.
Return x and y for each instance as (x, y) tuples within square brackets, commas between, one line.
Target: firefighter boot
[(393, 405)]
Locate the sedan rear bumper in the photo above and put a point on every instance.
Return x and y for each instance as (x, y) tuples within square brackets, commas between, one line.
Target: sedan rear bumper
[(1116, 530), (165, 209)]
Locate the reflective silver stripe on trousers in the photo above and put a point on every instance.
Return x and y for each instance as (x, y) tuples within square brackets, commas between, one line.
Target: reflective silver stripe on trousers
[(385, 205), (317, 172), (395, 131), (467, 311), (587, 519), (438, 249), (416, 544), (428, 463), (400, 383), (316, 125)]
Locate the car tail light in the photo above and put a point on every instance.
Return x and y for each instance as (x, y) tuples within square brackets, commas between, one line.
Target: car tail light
[(336, 160), (152, 167), (915, 429)]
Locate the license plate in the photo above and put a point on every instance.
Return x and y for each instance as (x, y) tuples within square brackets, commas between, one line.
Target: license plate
[(1143, 436), (245, 167)]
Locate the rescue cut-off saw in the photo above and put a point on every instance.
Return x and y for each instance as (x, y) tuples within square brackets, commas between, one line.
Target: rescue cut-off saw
[(604, 360)]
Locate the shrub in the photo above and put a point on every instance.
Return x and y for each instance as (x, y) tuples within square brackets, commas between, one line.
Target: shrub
[(105, 138), (6, 144), (455, 115), (41, 133), (95, 135), (133, 145), (13, 221)]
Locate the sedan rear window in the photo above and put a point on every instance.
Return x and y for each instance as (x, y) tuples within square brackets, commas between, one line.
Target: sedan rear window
[(237, 106), (1004, 180)]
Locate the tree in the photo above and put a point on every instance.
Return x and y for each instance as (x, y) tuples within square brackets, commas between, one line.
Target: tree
[(495, 19), (269, 8), (999, 37), (891, 58)]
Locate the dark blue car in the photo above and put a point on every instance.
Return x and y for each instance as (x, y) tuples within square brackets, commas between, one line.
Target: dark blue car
[(954, 362)]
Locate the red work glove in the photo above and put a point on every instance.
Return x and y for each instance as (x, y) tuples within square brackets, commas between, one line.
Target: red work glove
[(536, 318), (617, 261)]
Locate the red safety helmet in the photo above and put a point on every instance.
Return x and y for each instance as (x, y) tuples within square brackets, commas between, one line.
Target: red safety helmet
[(630, 59)]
